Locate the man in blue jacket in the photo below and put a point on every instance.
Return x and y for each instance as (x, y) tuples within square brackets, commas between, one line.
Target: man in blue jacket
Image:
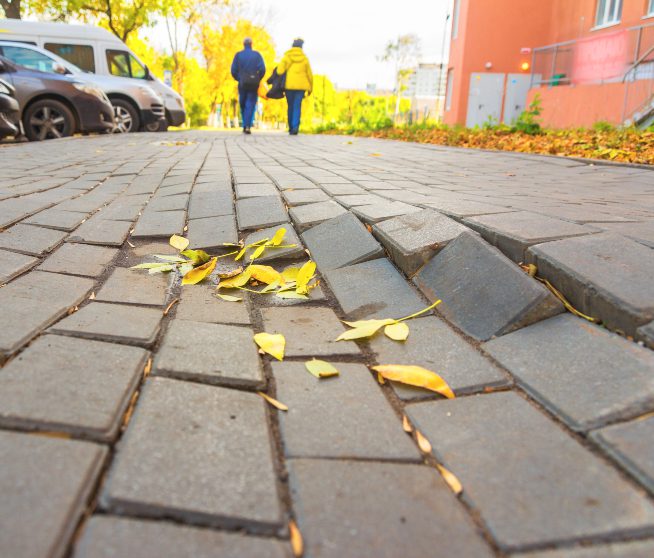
[(248, 69)]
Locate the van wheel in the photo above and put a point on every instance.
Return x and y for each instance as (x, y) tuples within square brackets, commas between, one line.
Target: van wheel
[(48, 119), (160, 126), (126, 117)]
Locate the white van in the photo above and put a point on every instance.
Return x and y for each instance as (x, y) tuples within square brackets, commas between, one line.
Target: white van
[(95, 50)]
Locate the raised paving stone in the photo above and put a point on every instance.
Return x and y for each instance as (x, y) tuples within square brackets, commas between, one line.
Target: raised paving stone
[(114, 537), (465, 208), (270, 254), (382, 210), (79, 259), (581, 372), (254, 190), (210, 233), (117, 323), (432, 344), (413, 239), (383, 510), (70, 385), (373, 289), (483, 292), (196, 453), (45, 485), (101, 231), (211, 353), (200, 304), (509, 456), (130, 286), (30, 240), (602, 275), (303, 197), (306, 216), (631, 444), (308, 331), (153, 224), (57, 219), (646, 334), (264, 211), (13, 264), (341, 241), (635, 549), (349, 404)]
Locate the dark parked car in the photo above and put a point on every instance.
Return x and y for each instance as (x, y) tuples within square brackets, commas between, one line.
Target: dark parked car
[(9, 111), (56, 106)]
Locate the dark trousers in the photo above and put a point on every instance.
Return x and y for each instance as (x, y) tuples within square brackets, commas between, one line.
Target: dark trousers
[(247, 98), (294, 99)]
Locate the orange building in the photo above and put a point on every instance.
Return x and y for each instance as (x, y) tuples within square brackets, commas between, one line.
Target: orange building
[(588, 60)]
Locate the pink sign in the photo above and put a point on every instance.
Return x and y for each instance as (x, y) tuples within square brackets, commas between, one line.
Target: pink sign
[(601, 58)]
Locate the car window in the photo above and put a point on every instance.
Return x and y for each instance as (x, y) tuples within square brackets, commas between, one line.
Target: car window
[(28, 58), (123, 64), (138, 70), (80, 55)]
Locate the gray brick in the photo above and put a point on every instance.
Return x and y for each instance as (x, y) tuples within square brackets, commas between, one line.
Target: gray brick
[(603, 275), (306, 216), (303, 197), (112, 537), (131, 286), (80, 259), (211, 232), (219, 473), (101, 231), (345, 189), (37, 285), (13, 264), (340, 242), (509, 456), (373, 289), (380, 211), (290, 237), (70, 385), (640, 232), (466, 208), (57, 219), (413, 239), (308, 331), (636, 549), (264, 211), (210, 204), (558, 360), (33, 241), (483, 292), (646, 334), (383, 510), (211, 353), (112, 322), (359, 199), (45, 485), (168, 203), (199, 303), (153, 224), (254, 190)]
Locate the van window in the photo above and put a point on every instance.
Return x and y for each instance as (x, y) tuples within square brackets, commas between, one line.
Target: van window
[(28, 58), (122, 64), (80, 55)]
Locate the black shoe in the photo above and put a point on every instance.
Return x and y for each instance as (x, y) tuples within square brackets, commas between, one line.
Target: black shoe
[(247, 131)]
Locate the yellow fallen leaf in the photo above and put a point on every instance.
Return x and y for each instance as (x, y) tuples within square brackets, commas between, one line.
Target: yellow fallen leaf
[(278, 237), (380, 379), (265, 274), (415, 376), (365, 328), (290, 273), (179, 242), (230, 274), (406, 425), (320, 368), (277, 404), (235, 282), (257, 252), (271, 343), (296, 539), (450, 478), (423, 443), (196, 275), (229, 298), (397, 332), (304, 276)]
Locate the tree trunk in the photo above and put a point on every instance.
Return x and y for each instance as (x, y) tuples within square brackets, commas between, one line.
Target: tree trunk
[(11, 8)]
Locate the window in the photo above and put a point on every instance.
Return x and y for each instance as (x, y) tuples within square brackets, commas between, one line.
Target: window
[(455, 19), (28, 58), (80, 55), (122, 64), (608, 12), (650, 9), (448, 90)]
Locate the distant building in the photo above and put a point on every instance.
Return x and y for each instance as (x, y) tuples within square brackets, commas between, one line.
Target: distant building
[(425, 88)]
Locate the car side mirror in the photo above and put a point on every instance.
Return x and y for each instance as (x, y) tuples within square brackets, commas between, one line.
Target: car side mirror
[(59, 69)]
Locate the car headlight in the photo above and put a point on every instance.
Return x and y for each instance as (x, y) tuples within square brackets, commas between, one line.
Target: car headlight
[(90, 90), (4, 89)]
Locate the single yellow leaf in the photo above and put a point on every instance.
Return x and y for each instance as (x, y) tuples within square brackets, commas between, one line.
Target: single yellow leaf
[(406, 425), (296, 539), (277, 404), (380, 379), (450, 478), (235, 282), (304, 276), (397, 332), (229, 298), (320, 368), (265, 274), (290, 273), (365, 328), (179, 242), (423, 443), (365, 323), (241, 253), (278, 237), (415, 376), (196, 256), (196, 275), (271, 343), (257, 252)]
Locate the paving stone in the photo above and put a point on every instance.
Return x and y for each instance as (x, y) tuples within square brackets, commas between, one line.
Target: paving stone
[(57, 219), (200, 304), (196, 453), (330, 417), (264, 211), (562, 490), (117, 323), (168, 203), (13, 264), (47, 287), (386, 510), (641, 232), (340, 242), (646, 334), (308, 331), (306, 216), (382, 210), (413, 239), (79, 259), (581, 372), (635, 549), (465, 208), (373, 289), (483, 292), (359, 199), (153, 224), (631, 444), (147, 249), (101, 231), (33, 241), (210, 204), (270, 254), (45, 485), (376, 185), (345, 189), (303, 197), (602, 275), (432, 344), (70, 385), (130, 286), (211, 353), (255, 190), (112, 537), (210, 233)]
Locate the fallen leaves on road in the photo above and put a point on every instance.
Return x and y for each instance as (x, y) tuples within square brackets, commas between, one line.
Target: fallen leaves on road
[(197, 274), (229, 298), (179, 242), (423, 443), (450, 478), (296, 539), (321, 368), (277, 404), (415, 376), (271, 343)]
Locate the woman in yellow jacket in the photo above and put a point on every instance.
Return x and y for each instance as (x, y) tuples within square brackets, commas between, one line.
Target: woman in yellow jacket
[(299, 81)]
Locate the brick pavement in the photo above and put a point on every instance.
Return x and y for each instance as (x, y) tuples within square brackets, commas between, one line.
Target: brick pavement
[(129, 431)]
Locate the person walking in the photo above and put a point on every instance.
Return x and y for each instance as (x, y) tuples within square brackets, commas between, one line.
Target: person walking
[(299, 82), (248, 68)]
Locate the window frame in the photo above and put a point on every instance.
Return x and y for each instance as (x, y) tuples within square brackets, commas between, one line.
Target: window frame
[(608, 18), (449, 89), (455, 19)]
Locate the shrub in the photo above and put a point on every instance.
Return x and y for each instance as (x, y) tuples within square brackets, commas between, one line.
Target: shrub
[(527, 122)]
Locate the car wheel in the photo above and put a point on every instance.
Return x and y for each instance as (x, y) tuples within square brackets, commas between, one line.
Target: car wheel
[(159, 126), (48, 119), (126, 117)]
